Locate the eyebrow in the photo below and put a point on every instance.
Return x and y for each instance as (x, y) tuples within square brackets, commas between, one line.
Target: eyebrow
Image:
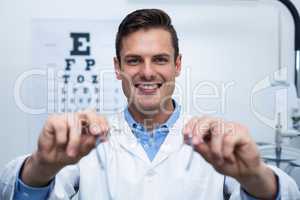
[(162, 55), (132, 55), (156, 55)]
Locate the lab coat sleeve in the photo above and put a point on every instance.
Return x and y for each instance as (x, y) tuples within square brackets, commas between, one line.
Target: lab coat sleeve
[(8, 178), (65, 184), (288, 189), (25, 192)]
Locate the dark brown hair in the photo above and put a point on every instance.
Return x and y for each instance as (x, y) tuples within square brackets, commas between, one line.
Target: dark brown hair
[(145, 19)]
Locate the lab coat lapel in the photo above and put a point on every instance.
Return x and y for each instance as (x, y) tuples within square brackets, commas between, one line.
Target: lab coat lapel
[(172, 143), (128, 141)]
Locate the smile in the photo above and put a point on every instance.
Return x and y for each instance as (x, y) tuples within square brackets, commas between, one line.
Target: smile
[(148, 88)]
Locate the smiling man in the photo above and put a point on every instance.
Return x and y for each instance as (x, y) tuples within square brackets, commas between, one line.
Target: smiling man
[(148, 153), (148, 63)]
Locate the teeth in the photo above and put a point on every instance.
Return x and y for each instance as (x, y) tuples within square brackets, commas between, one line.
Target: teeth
[(148, 86)]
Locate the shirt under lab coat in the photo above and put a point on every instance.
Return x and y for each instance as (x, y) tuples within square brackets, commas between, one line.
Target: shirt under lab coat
[(126, 173)]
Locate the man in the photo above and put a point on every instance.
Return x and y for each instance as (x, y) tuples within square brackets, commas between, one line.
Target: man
[(142, 154)]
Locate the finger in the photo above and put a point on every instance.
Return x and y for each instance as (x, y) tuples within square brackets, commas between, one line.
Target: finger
[(202, 138), (61, 131), (229, 143), (87, 144), (97, 128), (50, 125), (195, 127), (100, 127), (245, 148), (204, 150), (216, 142), (74, 135), (202, 128), (188, 128), (54, 128), (97, 125)]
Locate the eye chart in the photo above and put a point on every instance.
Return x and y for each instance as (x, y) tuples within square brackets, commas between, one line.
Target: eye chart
[(77, 56)]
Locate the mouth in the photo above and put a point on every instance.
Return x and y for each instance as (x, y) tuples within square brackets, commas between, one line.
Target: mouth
[(147, 88)]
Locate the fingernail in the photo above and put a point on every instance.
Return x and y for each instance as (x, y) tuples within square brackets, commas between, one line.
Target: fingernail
[(195, 140), (95, 130), (72, 152)]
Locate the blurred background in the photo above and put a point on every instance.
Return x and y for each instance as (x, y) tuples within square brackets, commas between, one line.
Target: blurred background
[(238, 63)]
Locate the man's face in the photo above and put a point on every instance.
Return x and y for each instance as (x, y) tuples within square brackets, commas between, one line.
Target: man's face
[(148, 69)]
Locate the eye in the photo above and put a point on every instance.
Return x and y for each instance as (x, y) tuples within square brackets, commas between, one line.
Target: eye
[(160, 60), (133, 61)]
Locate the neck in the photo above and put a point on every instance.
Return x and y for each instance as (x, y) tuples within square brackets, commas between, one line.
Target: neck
[(150, 121)]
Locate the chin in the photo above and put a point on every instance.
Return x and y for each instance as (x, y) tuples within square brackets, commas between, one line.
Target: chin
[(147, 106)]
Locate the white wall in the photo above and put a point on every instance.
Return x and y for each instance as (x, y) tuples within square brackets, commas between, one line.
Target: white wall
[(220, 42)]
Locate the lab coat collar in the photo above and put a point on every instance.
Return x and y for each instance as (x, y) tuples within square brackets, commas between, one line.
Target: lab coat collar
[(129, 142), (126, 139)]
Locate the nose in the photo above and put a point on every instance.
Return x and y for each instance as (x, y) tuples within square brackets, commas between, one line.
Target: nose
[(147, 71)]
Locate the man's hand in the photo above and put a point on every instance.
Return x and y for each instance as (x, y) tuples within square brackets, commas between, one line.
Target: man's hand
[(64, 140), (228, 147)]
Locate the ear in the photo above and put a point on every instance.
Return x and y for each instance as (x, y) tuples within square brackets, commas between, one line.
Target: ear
[(117, 68), (178, 65)]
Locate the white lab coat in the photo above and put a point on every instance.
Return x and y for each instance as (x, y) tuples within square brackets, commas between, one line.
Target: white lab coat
[(129, 175)]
